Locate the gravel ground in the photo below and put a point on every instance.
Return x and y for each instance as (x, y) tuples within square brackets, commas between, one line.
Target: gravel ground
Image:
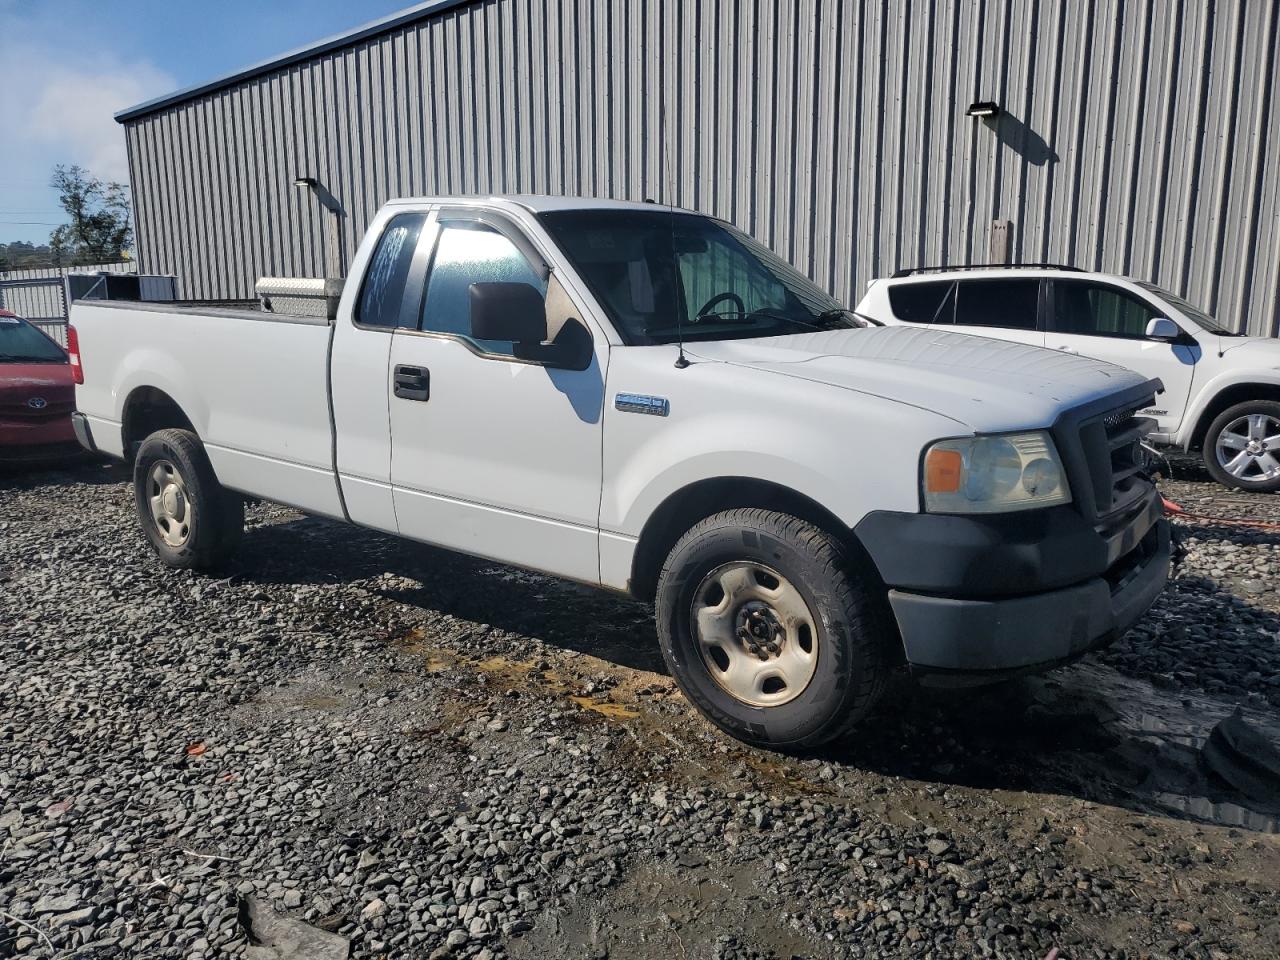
[(434, 756)]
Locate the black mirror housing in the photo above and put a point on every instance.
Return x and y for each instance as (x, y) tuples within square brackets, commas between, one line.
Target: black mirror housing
[(515, 312), (572, 349)]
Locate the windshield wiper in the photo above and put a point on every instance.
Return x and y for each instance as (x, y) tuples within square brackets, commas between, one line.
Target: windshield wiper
[(822, 321), (840, 313)]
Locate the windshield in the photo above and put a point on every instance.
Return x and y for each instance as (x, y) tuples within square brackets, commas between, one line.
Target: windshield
[(22, 343), (1200, 318), (655, 272)]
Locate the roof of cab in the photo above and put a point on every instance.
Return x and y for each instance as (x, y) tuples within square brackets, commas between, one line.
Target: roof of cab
[(544, 204)]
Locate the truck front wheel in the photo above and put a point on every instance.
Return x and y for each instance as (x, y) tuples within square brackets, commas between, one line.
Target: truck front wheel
[(192, 521), (769, 631), (1242, 446)]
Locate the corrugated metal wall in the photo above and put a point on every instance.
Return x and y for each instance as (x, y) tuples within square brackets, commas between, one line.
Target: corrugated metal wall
[(1139, 136)]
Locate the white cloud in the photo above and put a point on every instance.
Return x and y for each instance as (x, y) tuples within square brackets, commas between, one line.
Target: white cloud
[(69, 110)]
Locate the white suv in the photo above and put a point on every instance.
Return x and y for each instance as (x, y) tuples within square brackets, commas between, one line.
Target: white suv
[(1221, 389)]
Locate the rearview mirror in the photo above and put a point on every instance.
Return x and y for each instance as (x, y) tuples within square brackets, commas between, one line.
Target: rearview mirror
[(515, 312), (1160, 328)]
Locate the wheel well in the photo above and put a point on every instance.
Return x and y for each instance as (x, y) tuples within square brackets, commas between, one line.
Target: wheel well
[(1229, 397), (687, 506), (147, 410)]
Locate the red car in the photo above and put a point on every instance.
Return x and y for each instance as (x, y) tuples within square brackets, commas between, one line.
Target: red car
[(36, 395)]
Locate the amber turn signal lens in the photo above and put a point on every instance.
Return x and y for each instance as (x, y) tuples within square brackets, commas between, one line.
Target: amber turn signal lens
[(942, 469)]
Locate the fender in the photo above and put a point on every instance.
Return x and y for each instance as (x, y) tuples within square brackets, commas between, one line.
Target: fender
[(801, 454), (164, 371), (1204, 397)]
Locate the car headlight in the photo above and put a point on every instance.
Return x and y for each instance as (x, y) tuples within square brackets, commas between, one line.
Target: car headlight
[(1016, 471)]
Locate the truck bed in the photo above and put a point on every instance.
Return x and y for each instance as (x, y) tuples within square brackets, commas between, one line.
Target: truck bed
[(253, 384)]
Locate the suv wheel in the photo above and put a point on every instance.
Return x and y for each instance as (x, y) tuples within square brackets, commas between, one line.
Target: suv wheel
[(192, 521), (769, 631), (1242, 446)]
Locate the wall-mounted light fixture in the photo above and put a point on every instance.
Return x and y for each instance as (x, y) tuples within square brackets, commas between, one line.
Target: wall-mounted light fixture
[(335, 256), (983, 108)]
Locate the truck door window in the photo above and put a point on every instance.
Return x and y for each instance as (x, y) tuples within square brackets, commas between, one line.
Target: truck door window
[(1010, 304), (382, 296), (468, 253), (1095, 310), (923, 302)]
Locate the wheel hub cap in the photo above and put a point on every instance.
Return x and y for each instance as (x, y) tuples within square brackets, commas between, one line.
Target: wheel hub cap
[(170, 506), (1248, 448), (172, 501), (755, 632)]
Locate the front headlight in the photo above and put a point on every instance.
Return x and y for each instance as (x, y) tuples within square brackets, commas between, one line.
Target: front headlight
[(1016, 471)]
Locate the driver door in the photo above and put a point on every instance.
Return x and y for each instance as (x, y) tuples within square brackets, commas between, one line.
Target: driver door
[(1104, 322), (493, 455)]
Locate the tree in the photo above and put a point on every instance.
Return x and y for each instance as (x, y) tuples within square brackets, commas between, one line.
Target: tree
[(20, 255), (100, 230)]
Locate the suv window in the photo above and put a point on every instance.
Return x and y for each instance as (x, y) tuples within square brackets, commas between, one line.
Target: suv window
[(922, 302), (1007, 303), (466, 253), (1011, 304), (1092, 309), (383, 291)]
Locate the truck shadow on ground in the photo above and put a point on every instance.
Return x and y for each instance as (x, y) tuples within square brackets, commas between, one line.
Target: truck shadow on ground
[(566, 615), (1099, 731)]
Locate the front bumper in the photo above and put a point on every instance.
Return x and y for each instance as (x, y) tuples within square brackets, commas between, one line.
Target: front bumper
[(982, 596)]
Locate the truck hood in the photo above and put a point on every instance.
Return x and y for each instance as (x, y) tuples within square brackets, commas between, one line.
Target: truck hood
[(988, 385)]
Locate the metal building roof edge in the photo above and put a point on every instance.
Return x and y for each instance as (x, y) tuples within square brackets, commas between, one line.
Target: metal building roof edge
[(386, 24)]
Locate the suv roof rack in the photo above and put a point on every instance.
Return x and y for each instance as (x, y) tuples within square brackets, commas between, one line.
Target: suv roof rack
[(908, 271)]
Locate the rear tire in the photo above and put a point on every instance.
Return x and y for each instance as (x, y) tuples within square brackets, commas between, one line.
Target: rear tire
[(769, 630), (1234, 452), (192, 521)]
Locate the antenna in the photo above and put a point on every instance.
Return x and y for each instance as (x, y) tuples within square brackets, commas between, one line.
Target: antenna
[(669, 189)]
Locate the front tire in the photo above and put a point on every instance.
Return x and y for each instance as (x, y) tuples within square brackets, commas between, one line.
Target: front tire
[(1242, 446), (770, 632), (192, 521)]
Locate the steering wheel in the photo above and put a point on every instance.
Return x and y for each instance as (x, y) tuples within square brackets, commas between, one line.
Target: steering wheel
[(722, 298)]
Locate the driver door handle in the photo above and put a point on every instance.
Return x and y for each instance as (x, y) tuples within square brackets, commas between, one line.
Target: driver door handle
[(411, 383), (1066, 349)]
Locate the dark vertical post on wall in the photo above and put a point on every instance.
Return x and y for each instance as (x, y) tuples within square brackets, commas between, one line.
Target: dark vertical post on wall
[(999, 251)]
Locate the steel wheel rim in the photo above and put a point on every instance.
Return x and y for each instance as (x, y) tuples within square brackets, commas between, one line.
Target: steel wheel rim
[(170, 503), (1248, 447), (756, 635)]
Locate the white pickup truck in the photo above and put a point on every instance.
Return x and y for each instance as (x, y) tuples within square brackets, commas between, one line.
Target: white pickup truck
[(647, 400)]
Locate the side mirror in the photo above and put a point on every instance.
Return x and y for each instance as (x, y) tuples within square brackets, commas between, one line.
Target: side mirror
[(515, 312), (1161, 328)]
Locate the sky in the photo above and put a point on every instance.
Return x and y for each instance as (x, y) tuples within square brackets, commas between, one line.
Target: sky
[(67, 65)]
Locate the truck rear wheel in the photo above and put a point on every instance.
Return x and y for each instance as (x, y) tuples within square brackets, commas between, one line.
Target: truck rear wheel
[(769, 631), (192, 521), (1242, 446)]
